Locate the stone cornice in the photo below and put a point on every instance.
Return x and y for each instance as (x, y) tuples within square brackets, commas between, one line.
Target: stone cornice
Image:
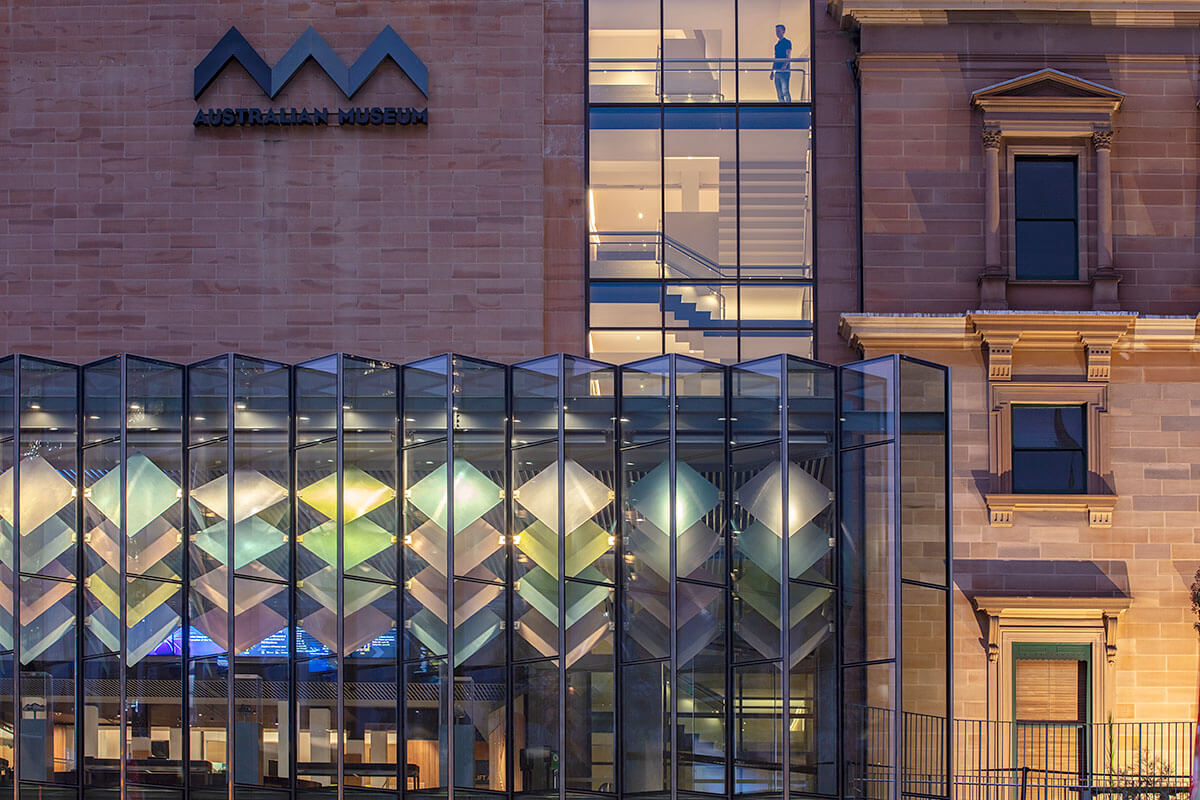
[(878, 335), (1109, 13), (1098, 334)]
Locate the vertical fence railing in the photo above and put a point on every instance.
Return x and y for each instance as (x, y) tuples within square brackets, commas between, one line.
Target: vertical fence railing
[(995, 760)]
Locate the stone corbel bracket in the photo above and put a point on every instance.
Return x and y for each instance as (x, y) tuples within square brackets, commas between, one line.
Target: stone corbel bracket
[(1095, 333), (1074, 612), (1099, 507)]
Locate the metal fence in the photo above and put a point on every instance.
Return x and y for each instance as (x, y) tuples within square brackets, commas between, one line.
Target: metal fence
[(1071, 761)]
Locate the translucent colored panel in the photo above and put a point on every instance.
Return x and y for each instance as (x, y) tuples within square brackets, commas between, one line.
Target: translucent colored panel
[(369, 527), (757, 552), (209, 548), (47, 663), (479, 511), (479, 614), (700, 693), (316, 399), (698, 513), (102, 415), (757, 701), (316, 699), (153, 612), (813, 691), (646, 561), (869, 731), (262, 513), (260, 722), (153, 505), (47, 503), (646, 728), (425, 557), (479, 723), (260, 613), (763, 48), (868, 402), (698, 50), (535, 614), (426, 687), (923, 466), (368, 613), (590, 756), (102, 549), (588, 619), (371, 723), (536, 728), (624, 346), (623, 47), (699, 182), (316, 527), (208, 722), (589, 489), (868, 554)]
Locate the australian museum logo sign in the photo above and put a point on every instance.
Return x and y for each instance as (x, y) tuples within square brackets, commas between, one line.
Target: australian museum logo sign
[(310, 46)]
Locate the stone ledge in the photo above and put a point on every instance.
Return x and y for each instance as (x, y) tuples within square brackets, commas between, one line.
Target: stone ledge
[(1003, 507), (1108, 13)]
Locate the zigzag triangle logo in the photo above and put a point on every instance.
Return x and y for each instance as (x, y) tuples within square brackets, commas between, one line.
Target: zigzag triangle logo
[(234, 47)]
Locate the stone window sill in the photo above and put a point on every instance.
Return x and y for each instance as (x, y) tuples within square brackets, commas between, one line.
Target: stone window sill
[(1099, 507)]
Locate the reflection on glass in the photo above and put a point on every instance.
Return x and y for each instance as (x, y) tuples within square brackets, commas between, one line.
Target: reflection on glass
[(923, 463), (646, 734), (700, 687), (868, 553), (813, 689), (535, 728), (47, 662), (426, 725), (757, 702)]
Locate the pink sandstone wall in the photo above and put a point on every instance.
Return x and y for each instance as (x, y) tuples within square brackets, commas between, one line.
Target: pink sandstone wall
[(125, 229)]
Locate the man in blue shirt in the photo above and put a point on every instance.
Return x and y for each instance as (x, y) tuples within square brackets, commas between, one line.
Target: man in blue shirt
[(781, 68)]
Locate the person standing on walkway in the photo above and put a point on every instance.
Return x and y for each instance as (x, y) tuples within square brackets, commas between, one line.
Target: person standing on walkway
[(781, 68)]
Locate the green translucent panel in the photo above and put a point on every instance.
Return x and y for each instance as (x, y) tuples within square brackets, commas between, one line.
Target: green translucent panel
[(361, 539), (474, 495), (694, 497), (47, 530)]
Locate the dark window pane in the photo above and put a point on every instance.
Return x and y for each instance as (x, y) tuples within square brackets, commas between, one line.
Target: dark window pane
[(1046, 250), (1048, 427), (1049, 472), (1045, 188)]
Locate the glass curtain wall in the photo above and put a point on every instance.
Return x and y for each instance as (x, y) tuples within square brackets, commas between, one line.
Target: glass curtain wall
[(699, 212), (895, 577), (456, 578)]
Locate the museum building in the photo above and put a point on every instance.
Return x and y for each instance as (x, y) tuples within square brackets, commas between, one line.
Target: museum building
[(706, 554)]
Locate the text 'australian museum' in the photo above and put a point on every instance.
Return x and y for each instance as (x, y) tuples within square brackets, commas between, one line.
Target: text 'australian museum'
[(240, 578)]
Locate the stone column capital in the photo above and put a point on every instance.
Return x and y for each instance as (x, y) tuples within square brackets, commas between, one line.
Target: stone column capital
[(1102, 139), (991, 138)]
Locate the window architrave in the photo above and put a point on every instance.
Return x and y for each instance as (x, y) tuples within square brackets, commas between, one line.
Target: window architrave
[(1081, 152)]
